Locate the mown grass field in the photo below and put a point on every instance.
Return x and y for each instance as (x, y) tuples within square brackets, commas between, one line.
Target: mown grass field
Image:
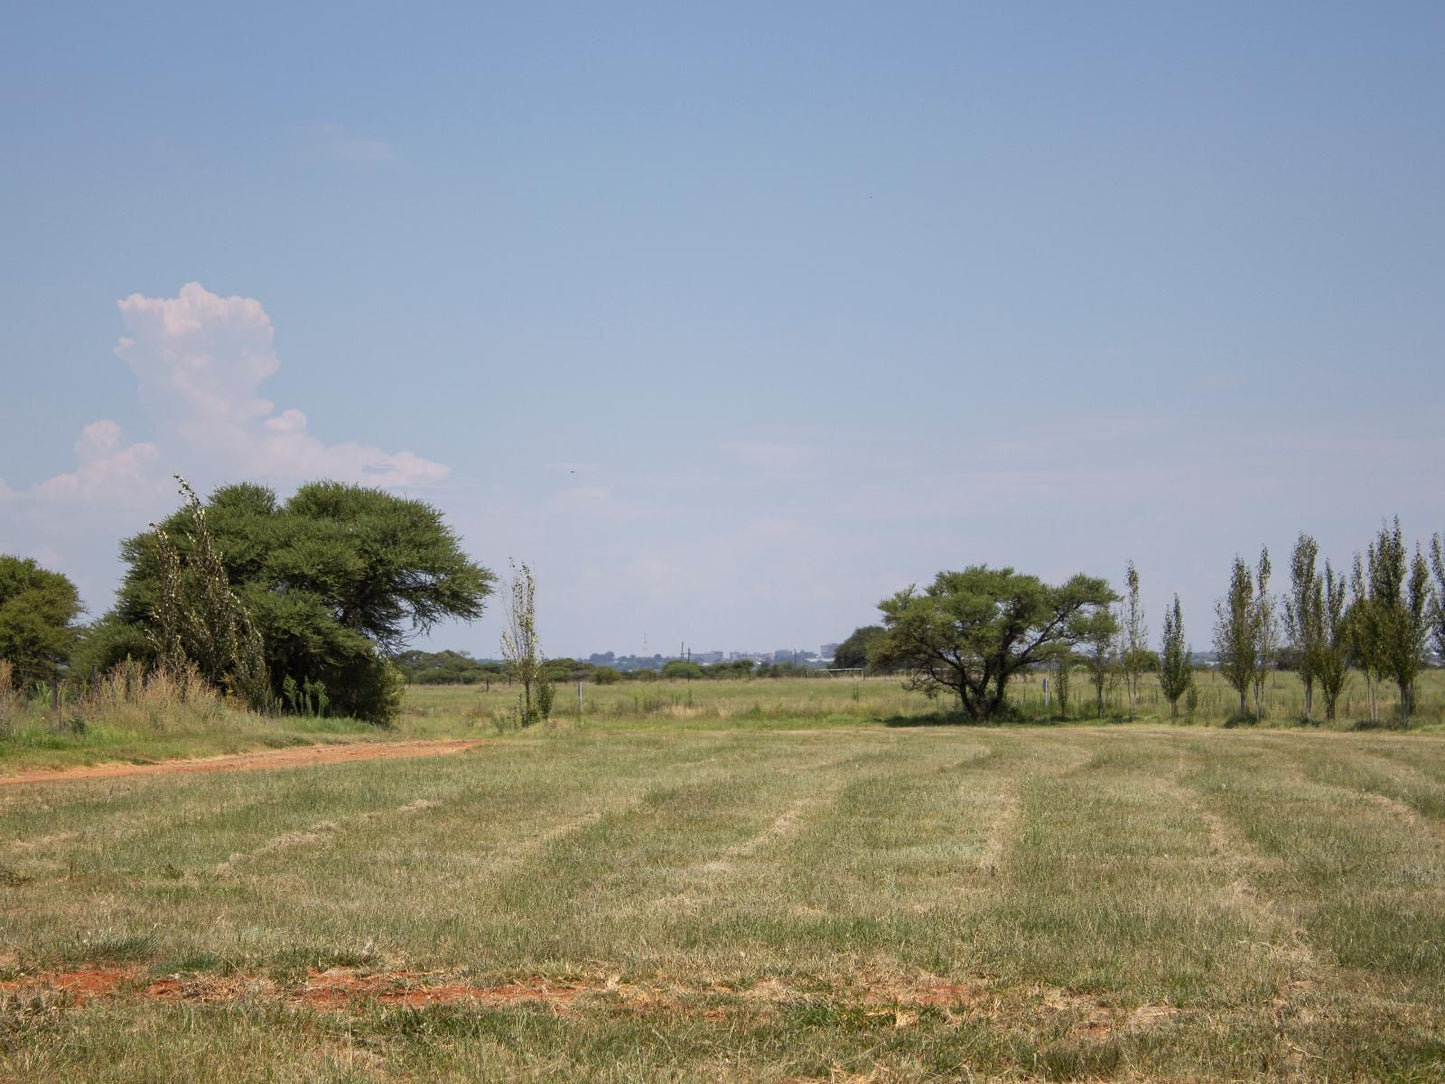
[(789, 893)]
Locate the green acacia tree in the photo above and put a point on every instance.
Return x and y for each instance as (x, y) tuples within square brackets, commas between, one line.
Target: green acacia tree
[(337, 578), (1176, 665), (1234, 633), (969, 632), (38, 610)]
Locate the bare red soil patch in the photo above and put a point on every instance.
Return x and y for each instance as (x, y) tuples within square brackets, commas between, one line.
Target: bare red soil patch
[(342, 989), (300, 756), (333, 989), (79, 986)]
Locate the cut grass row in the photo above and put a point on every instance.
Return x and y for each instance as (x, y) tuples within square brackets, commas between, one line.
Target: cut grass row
[(1130, 903)]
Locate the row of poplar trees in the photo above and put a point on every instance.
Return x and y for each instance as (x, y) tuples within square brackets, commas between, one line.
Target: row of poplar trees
[(1379, 620)]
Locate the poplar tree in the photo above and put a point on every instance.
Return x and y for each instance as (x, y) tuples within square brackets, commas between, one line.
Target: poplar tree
[(1437, 602), (1135, 654), (1063, 665), (1303, 617), (1363, 624), (1176, 665), (1400, 599), (1102, 635), (522, 649), (1265, 628), (1332, 658), (1234, 633)]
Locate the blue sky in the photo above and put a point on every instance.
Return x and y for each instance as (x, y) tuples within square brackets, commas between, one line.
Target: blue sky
[(732, 322)]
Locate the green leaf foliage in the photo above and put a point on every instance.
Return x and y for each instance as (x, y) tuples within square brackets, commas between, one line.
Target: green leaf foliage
[(336, 579), (853, 652), (1176, 669), (681, 668), (968, 632), (38, 609), (1235, 640)]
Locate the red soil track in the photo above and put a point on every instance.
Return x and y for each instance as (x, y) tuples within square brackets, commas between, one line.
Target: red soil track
[(300, 756)]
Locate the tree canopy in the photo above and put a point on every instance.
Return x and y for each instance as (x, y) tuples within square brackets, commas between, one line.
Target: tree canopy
[(38, 609), (336, 579), (970, 631), (853, 652)]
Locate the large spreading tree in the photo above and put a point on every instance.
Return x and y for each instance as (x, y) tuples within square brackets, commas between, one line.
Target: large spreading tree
[(38, 609), (969, 632), (336, 579)]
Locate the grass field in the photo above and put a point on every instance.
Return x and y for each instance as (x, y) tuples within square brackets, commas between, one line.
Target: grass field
[(166, 722), (776, 887)]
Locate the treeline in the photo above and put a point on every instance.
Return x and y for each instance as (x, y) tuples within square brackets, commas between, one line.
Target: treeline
[(306, 605), (969, 632), (1380, 622), (459, 668)]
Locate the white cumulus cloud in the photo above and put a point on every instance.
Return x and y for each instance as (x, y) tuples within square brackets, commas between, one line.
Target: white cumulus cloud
[(199, 361)]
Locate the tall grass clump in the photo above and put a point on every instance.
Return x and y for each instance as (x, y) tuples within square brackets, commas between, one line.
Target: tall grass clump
[(11, 703)]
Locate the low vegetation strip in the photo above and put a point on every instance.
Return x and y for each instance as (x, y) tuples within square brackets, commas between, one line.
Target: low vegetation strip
[(270, 759)]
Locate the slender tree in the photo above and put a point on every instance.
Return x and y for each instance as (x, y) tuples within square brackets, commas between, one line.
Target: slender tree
[(1135, 654), (1063, 665), (1363, 623), (1266, 631), (1176, 665), (1234, 634), (1437, 602), (1303, 619), (1102, 634), (197, 617), (1399, 590), (1332, 659), (521, 648)]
